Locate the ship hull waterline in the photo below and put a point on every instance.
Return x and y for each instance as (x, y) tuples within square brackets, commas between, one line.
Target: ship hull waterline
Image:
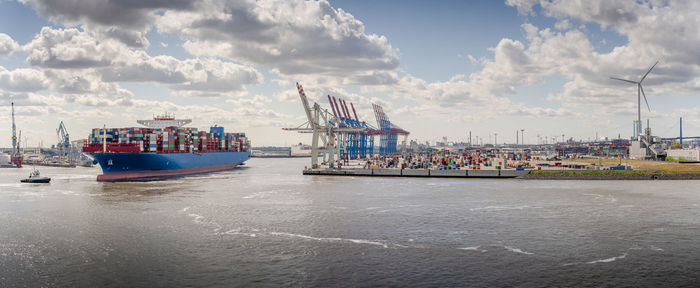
[(156, 166)]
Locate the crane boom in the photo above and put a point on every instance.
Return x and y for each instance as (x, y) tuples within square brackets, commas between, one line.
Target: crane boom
[(305, 101), (332, 107), (353, 112)]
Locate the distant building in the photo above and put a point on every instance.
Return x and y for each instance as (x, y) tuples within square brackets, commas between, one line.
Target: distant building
[(684, 154)]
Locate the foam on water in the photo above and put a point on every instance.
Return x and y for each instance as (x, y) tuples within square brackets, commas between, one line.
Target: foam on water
[(74, 177), (67, 192), (238, 232), (597, 196), (517, 250), (608, 260), (261, 194), (472, 248), (329, 239), (197, 218), (501, 208), (15, 185), (609, 198)]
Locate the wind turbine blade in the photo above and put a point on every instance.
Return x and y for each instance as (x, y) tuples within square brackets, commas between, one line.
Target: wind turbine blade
[(630, 81), (645, 75), (645, 97)]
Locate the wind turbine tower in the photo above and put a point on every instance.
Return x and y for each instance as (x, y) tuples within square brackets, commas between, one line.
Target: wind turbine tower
[(640, 92), (644, 145)]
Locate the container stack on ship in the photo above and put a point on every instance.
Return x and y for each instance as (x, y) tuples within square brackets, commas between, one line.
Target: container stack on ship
[(164, 148)]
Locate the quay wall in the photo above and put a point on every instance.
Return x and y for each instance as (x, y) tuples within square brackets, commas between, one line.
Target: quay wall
[(418, 173)]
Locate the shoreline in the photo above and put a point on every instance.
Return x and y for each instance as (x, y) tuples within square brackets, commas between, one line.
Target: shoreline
[(512, 174), (611, 175)]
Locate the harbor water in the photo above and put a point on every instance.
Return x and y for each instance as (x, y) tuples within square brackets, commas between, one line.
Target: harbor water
[(267, 225)]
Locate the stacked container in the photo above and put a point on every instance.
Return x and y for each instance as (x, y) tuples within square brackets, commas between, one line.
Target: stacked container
[(172, 139)]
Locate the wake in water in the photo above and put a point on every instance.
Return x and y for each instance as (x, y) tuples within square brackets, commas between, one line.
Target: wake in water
[(199, 219), (623, 256)]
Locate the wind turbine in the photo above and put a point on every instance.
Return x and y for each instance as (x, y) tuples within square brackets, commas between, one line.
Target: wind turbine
[(638, 124)]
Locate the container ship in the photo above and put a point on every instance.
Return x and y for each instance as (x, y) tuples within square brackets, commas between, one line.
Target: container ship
[(164, 148)]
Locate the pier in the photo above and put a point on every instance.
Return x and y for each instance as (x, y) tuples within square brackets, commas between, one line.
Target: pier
[(418, 173)]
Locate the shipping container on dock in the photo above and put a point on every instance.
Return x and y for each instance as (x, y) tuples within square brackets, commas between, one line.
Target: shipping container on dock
[(164, 149)]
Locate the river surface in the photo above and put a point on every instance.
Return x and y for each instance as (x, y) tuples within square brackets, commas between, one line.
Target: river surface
[(266, 225)]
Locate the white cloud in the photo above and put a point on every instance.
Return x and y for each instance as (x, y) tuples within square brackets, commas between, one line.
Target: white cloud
[(86, 88), (75, 50), (563, 25), (7, 45), (22, 80), (70, 48), (126, 21), (656, 31), (293, 37)]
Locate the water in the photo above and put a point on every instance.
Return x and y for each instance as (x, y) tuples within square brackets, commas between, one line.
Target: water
[(267, 225)]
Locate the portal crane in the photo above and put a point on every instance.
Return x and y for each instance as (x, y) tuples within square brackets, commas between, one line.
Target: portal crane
[(15, 147), (63, 138), (321, 123)]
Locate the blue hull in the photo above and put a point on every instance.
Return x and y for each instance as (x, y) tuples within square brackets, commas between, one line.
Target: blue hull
[(114, 164)]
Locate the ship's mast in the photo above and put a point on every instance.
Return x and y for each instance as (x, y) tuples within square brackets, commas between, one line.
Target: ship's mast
[(15, 149)]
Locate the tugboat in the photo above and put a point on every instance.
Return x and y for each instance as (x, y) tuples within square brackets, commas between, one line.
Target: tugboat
[(35, 177)]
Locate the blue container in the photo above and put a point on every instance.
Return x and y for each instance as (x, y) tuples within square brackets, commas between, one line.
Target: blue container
[(217, 130)]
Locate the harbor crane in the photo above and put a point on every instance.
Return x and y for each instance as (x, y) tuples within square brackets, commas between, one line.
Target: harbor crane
[(63, 139), (16, 156), (325, 128), (388, 140)]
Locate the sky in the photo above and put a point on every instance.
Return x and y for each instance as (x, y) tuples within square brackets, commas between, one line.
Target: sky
[(439, 68)]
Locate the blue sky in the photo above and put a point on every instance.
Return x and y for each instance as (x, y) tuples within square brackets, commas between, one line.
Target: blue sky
[(440, 68)]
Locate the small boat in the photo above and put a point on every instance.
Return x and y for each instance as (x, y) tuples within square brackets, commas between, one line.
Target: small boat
[(35, 177)]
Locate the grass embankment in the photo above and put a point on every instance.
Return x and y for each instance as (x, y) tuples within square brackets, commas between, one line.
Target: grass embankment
[(644, 165)]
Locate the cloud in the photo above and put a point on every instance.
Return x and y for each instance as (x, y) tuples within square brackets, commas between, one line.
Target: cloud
[(86, 88), (127, 21), (22, 80), (563, 25), (293, 37), (524, 7), (72, 49), (7, 45), (655, 31)]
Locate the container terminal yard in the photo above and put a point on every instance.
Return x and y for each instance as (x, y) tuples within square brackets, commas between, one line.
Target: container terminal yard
[(345, 145)]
